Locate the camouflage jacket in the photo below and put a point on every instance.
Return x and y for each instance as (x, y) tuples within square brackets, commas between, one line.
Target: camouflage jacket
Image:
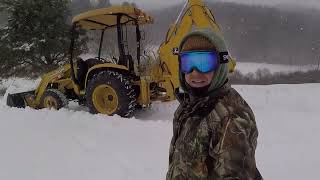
[(214, 138)]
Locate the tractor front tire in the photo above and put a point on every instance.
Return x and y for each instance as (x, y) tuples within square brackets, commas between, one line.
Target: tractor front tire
[(110, 92), (53, 98)]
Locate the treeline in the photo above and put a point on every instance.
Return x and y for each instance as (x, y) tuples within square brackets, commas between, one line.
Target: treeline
[(265, 77), (258, 33)]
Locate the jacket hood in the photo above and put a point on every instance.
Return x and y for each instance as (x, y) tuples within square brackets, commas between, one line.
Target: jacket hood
[(221, 74)]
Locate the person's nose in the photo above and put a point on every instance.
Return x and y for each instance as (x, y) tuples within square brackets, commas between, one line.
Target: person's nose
[(195, 72)]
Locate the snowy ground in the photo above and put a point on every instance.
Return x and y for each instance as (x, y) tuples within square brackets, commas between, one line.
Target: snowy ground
[(73, 144)]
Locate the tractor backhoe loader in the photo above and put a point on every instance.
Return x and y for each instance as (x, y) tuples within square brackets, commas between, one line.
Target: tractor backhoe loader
[(116, 86), (107, 86)]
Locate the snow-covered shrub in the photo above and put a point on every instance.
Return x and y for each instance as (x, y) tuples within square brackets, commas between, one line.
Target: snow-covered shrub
[(36, 37)]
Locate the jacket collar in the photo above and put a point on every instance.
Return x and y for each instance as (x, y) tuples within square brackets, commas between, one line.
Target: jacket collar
[(184, 97)]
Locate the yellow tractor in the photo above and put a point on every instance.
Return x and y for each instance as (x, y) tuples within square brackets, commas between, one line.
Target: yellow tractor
[(107, 86), (116, 86)]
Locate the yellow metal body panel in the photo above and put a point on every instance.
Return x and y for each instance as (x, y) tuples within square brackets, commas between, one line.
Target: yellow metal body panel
[(196, 15), (65, 84), (167, 84), (95, 19), (51, 77), (144, 97)]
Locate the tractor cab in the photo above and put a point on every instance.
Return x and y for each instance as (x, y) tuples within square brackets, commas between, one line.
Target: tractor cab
[(112, 23)]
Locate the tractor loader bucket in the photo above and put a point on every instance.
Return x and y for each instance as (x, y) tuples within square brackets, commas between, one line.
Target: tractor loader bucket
[(18, 100)]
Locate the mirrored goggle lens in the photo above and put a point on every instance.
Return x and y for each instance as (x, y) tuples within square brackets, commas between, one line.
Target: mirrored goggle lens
[(202, 61)]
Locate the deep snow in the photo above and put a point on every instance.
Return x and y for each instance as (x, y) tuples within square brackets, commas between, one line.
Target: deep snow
[(73, 144)]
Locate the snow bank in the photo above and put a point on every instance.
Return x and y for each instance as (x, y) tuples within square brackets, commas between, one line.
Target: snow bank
[(73, 144), (77, 145)]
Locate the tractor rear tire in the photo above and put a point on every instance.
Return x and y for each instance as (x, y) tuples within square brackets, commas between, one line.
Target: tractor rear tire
[(110, 92), (53, 98)]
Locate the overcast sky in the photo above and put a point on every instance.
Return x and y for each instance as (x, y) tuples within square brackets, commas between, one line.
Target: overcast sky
[(163, 3)]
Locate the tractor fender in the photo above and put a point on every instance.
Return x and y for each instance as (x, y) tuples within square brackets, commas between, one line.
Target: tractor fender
[(103, 67)]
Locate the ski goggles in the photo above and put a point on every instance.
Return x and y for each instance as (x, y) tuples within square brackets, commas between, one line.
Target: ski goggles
[(202, 61)]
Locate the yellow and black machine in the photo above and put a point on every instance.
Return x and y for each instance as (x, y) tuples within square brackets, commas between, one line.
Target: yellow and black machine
[(116, 86), (108, 86)]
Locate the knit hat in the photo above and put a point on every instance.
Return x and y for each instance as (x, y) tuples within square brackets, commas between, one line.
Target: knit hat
[(205, 39), (197, 42)]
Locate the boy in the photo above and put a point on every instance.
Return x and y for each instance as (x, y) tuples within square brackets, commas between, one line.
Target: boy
[(214, 129)]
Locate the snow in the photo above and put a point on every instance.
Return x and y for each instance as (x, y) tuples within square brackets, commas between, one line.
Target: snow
[(73, 144), (4, 36), (87, 56), (25, 47), (17, 85)]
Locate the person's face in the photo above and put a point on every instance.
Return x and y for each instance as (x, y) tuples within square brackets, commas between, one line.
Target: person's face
[(197, 79)]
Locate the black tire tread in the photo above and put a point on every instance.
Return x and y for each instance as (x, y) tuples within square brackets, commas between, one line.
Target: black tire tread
[(61, 98), (121, 84)]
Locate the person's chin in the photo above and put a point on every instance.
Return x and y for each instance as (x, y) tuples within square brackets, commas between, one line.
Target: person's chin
[(198, 85)]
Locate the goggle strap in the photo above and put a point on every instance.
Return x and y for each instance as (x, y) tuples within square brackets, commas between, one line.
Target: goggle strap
[(224, 57)]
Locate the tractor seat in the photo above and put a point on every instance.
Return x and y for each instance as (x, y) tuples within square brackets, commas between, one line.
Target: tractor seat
[(127, 61), (92, 62), (82, 69)]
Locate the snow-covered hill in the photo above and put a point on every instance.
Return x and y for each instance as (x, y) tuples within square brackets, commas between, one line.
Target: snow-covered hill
[(73, 144)]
